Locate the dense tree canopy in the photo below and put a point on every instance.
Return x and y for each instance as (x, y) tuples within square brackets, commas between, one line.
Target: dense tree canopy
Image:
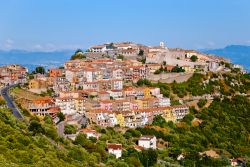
[(194, 58), (39, 70)]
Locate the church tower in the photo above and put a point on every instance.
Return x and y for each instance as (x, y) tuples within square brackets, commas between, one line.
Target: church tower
[(162, 45)]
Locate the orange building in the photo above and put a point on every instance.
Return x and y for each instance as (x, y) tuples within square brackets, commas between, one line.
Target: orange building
[(55, 72), (44, 106)]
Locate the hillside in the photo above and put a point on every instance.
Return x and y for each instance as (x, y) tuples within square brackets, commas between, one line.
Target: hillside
[(36, 145), (239, 54), (222, 126)]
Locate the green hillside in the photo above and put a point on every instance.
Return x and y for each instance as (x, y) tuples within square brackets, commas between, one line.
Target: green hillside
[(223, 127), (36, 144)]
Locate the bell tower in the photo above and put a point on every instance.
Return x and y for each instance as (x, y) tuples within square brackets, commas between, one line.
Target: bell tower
[(162, 45)]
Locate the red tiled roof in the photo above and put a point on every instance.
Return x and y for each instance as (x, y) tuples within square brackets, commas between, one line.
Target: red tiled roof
[(87, 130), (54, 109), (98, 46), (139, 148), (114, 146), (146, 137)]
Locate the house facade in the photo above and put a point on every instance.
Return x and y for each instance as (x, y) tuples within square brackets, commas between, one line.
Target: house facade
[(147, 142)]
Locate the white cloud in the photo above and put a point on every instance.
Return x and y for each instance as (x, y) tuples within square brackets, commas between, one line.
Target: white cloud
[(8, 44), (198, 46), (210, 43), (53, 47), (37, 47), (43, 47)]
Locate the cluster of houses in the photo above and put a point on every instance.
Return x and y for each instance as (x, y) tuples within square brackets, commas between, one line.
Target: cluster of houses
[(103, 91), (144, 142), (126, 110), (13, 74), (156, 55)]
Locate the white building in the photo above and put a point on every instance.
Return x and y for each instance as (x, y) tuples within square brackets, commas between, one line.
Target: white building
[(190, 53), (117, 84), (70, 105), (102, 48), (116, 94), (99, 48), (180, 111), (147, 142), (213, 66), (155, 91), (115, 149), (90, 133), (112, 119), (164, 102), (117, 74)]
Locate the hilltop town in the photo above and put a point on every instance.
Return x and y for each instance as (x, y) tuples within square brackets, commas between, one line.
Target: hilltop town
[(101, 83), (121, 85)]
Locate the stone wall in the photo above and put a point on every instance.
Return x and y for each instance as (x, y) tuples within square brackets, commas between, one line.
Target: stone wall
[(170, 77)]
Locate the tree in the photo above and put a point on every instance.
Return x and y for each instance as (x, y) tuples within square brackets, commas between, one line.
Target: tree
[(69, 129), (47, 119), (159, 121), (78, 56), (202, 103), (30, 76), (61, 116), (177, 69), (2, 102), (93, 139), (40, 70), (140, 82), (141, 52), (133, 161), (157, 71), (133, 132), (120, 57), (143, 61), (148, 157), (36, 127), (194, 58), (80, 139), (78, 51), (188, 118)]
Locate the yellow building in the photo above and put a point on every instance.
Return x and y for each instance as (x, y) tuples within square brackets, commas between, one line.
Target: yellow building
[(168, 114), (147, 93), (80, 104), (153, 67), (37, 84), (120, 120), (140, 104), (188, 68)]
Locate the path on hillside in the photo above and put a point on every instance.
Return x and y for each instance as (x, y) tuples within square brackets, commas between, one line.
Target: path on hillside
[(10, 103)]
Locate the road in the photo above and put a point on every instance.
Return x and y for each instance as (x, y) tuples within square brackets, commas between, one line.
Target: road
[(10, 103)]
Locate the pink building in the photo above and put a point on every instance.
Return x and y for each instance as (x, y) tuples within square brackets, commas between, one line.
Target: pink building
[(106, 105)]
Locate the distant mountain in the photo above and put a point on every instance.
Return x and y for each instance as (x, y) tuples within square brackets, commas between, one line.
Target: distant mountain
[(33, 59), (239, 54)]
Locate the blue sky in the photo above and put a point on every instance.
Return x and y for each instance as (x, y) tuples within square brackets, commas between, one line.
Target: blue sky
[(70, 24)]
